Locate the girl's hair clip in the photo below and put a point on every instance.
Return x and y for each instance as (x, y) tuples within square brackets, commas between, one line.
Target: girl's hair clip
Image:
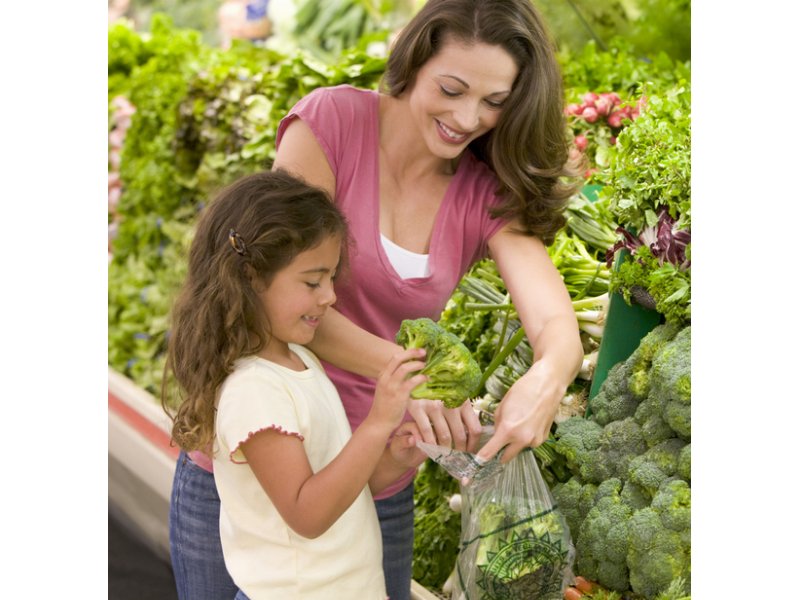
[(237, 242)]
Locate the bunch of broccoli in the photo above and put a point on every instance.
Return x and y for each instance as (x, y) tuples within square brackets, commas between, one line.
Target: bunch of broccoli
[(453, 374), (628, 502)]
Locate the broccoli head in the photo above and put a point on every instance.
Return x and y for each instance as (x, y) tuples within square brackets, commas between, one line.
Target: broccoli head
[(618, 443), (576, 440), (660, 540), (656, 465), (601, 547), (635, 496), (614, 401), (452, 371), (671, 382), (685, 463), (574, 500), (641, 359), (650, 418)]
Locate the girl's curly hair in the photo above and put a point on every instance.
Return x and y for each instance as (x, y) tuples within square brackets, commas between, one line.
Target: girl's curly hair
[(254, 228)]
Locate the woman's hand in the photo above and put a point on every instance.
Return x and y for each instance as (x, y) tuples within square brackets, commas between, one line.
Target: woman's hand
[(524, 416), (457, 428)]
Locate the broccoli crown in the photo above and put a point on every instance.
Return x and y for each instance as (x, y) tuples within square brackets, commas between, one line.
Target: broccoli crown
[(651, 469), (619, 442), (684, 470), (671, 384), (641, 359), (635, 496), (649, 416), (602, 542), (574, 499), (614, 401), (671, 371), (576, 439), (452, 371), (418, 333), (660, 542)]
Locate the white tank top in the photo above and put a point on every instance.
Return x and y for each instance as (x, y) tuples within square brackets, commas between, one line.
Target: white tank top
[(407, 264)]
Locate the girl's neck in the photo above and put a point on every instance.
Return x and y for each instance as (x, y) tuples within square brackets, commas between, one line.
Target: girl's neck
[(403, 146), (281, 354)]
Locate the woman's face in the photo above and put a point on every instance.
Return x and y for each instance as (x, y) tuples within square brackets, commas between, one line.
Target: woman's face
[(458, 95)]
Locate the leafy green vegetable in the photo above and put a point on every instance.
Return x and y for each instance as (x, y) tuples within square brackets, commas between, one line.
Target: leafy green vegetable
[(453, 374), (650, 165), (436, 526)]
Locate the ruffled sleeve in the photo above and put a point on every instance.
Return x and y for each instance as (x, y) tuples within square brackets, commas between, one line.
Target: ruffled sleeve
[(249, 403)]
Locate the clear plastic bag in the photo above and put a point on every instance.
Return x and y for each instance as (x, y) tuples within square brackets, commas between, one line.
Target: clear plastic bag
[(515, 543)]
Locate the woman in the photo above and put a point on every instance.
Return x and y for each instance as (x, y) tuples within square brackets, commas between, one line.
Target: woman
[(461, 155), (468, 125)]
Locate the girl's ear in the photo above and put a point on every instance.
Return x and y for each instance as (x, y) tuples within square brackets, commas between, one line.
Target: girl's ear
[(256, 282)]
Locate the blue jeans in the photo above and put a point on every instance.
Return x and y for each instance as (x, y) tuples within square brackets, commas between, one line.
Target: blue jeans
[(195, 549), (396, 516)]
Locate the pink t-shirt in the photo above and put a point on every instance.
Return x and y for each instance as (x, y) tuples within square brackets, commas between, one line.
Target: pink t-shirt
[(344, 120)]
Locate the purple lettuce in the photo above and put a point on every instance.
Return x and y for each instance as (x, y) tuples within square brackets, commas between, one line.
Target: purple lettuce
[(666, 242)]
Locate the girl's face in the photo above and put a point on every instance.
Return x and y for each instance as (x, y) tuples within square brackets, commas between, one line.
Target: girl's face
[(298, 296), (458, 94)]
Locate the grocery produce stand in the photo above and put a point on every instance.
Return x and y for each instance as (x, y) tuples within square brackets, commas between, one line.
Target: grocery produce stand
[(141, 461), (149, 234)]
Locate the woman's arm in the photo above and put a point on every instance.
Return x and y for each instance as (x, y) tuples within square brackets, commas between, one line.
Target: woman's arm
[(338, 340), (526, 413), (311, 502)]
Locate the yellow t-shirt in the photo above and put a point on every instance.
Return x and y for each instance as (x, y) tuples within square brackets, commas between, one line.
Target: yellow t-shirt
[(265, 557)]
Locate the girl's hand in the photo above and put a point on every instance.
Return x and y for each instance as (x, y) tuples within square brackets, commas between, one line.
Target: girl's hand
[(394, 385), (525, 414), (403, 446)]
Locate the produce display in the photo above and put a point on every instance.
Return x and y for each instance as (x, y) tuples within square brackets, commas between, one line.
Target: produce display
[(186, 118), (628, 502)]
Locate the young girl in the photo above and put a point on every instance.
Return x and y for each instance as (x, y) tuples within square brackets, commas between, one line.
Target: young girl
[(297, 519)]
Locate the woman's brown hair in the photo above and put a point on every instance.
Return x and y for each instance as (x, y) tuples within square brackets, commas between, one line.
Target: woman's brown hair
[(528, 149), (252, 229)]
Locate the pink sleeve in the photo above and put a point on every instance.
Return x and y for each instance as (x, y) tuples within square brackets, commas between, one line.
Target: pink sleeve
[(315, 109)]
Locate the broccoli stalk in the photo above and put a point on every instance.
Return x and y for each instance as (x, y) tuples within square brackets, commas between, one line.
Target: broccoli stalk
[(453, 374)]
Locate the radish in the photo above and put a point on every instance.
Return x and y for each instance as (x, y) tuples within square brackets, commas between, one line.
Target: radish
[(581, 142), (590, 114), (589, 98), (604, 105), (615, 119), (573, 109)]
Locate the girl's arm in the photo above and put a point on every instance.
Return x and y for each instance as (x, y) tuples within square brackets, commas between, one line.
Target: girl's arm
[(311, 502), (526, 413)]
